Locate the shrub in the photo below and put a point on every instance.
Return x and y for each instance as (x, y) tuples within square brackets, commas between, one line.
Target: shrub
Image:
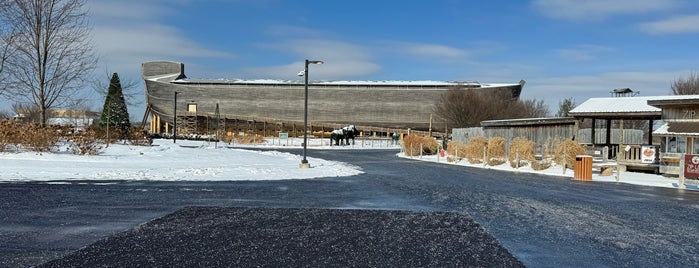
[(86, 143), (474, 149), (523, 150), (41, 139), (571, 148), (140, 137), (412, 144)]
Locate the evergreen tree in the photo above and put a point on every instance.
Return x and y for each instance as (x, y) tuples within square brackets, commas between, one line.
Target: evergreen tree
[(114, 112)]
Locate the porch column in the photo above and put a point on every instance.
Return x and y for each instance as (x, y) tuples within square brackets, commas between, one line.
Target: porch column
[(592, 132), (609, 132), (650, 132)]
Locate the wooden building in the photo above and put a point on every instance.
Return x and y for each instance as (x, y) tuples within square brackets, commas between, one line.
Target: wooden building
[(680, 130)]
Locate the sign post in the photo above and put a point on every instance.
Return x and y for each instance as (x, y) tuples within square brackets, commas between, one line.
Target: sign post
[(690, 168)]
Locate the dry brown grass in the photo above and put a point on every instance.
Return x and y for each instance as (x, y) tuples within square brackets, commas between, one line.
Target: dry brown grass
[(474, 149), (571, 148), (523, 150), (412, 144)]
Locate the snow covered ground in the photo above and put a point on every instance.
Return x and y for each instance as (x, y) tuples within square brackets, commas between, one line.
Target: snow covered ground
[(624, 177), (210, 161), (167, 161)]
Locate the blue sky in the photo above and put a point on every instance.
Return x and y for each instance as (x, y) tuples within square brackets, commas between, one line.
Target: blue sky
[(562, 48)]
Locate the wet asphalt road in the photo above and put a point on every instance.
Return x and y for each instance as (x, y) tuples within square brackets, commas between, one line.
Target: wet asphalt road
[(543, 221)]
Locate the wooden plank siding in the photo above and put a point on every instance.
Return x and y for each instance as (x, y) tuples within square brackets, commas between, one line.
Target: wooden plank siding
[(371, 104)]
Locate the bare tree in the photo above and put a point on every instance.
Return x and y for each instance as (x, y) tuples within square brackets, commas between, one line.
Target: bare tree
[(468, 107), (565, 106), (5, 40), (531, 109), (688, 86), (52, 55)]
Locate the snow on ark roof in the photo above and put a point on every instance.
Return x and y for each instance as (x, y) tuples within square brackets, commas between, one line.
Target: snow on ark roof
[(624, 104), (345, 83)]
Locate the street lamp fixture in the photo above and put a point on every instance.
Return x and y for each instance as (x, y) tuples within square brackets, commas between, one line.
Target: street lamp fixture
[(304, 162)]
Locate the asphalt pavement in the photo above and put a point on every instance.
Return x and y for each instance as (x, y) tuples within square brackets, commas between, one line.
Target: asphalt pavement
[(297, 237), (543, 221)]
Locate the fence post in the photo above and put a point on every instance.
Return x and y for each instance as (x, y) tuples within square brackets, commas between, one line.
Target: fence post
[(420, 150), (517, 159), (565, 159), (485, 161), (457, 155)]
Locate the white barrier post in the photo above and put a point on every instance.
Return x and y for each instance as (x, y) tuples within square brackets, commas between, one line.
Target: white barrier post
[(681, 178)]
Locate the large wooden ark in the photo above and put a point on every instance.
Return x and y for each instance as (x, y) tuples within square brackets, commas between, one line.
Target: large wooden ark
[(369, 104)]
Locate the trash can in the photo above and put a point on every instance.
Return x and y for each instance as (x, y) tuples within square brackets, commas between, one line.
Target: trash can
[(583, 168)]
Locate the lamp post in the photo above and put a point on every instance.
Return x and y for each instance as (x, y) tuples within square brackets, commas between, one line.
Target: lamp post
[(174, 121), (304, 162)]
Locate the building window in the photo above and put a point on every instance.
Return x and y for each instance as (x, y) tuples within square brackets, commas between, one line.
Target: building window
[(695, 145), (677, 144), (192, 107)]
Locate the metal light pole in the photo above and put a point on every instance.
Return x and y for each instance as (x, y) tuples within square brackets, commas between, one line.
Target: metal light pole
[(174, 121), (304, 162)]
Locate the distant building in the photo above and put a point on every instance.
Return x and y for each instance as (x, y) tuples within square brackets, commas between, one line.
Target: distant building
[(79, 119), (624, 92)]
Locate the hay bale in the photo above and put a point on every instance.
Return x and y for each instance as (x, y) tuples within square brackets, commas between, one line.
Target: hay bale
[(496, 151), (496, 161), (541, 164), (473, 151), (606, 171), (456, 149), (571, 148), (523, 150), (412, 144), (250, 139)]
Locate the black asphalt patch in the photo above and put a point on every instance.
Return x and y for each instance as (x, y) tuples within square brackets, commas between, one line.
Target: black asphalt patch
[(297, 237)]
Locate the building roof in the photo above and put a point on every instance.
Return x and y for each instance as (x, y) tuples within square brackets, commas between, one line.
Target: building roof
[(392, 83), (675, 100), (624, 106), (529, 122), (678, 128)]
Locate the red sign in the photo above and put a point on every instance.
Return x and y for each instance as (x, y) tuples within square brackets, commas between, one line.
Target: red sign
[(691, 165)]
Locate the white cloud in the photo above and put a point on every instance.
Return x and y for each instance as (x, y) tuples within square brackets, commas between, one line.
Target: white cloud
[(433, 50), (126, 34), (582, 52), (677, 24), (598, 9), (342, 61)]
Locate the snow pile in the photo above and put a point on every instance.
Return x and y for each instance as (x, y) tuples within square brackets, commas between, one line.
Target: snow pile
[(167, 161)]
